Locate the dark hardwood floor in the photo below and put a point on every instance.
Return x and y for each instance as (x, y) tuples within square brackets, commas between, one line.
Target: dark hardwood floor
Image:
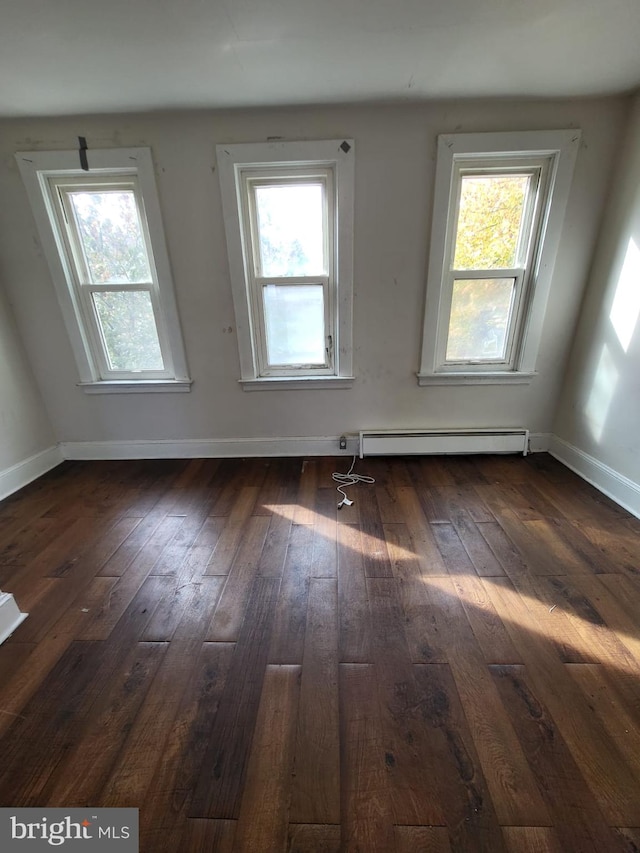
[(450, 664)]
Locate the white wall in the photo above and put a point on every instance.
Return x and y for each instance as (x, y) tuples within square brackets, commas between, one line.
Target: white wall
[(25, 430), (598, 420), (394, 183)]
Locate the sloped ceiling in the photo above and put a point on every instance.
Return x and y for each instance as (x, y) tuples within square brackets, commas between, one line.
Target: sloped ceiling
[(84, 56)]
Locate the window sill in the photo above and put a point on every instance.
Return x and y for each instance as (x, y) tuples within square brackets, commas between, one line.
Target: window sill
[(290, 383), (512, 377), (144, 386)]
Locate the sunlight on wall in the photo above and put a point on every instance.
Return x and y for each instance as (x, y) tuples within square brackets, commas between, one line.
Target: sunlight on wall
[(626, 303), (603, 388)]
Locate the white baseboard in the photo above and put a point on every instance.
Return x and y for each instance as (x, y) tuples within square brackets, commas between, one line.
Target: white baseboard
[(539, 442), (30, 469), (219, 448), (614, 485), (10, 616), (208, 448)]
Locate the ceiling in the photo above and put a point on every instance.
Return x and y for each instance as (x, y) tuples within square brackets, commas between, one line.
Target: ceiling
[(83, 56)]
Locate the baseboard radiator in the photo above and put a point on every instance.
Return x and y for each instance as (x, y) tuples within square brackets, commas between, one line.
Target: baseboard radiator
[(443, 441)]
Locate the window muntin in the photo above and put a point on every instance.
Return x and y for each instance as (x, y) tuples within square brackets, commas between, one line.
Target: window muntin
[(105, 237), (493, 220), (288, 217)]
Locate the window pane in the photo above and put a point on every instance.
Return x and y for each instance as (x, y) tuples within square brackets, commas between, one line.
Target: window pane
[(290, 229), (111, 236), (129, 330), (480, 314), (294, 319), (489, 221)]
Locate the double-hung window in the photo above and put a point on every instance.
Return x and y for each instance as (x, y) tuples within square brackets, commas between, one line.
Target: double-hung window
[(499, 205), (288, 216), (111, 272)]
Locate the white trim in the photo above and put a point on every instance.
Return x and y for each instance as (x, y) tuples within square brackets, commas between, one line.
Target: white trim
[(232, 160), (424, 442), (539, 442), (512, 377), (22, 473), (216, 448), (122, 386), (614, 485), (562, 146), (289, 383), (36, 167), (10, 616)]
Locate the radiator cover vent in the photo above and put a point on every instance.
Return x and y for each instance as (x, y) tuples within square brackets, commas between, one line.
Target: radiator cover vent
[(433, 441)]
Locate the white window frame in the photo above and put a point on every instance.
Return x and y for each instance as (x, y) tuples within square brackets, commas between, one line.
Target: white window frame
[(549, 154), (240, 168), (46, 175)]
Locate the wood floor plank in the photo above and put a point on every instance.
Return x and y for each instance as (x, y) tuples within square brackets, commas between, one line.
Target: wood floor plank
[(487, 627), (454, 554), (19, 551), (531, 839), (421, 532), (313, 838), (287, 641), (123, 592), (204, 836), (450, 663), (315, 796), (484, 560), (408, 750), (353, 606), (454, 502), (75, 582), (93, 756), (325, 535), (576, 816), (16, 693), (13, 657), (142, 534), (227, 620), (199, 555), (389, 509), (66, 549), (610, 709), (133, 772), (617, 544), (304, 507), (544, 615), (375, 557), (629, 838), (468, 808), (263, 820), (224, 762), (48, 723), (515, 793), (425, 839), (613, 607), (603, 766), (271, 563), (367, 820), (168, 798), (420, 624), (232, 535)]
